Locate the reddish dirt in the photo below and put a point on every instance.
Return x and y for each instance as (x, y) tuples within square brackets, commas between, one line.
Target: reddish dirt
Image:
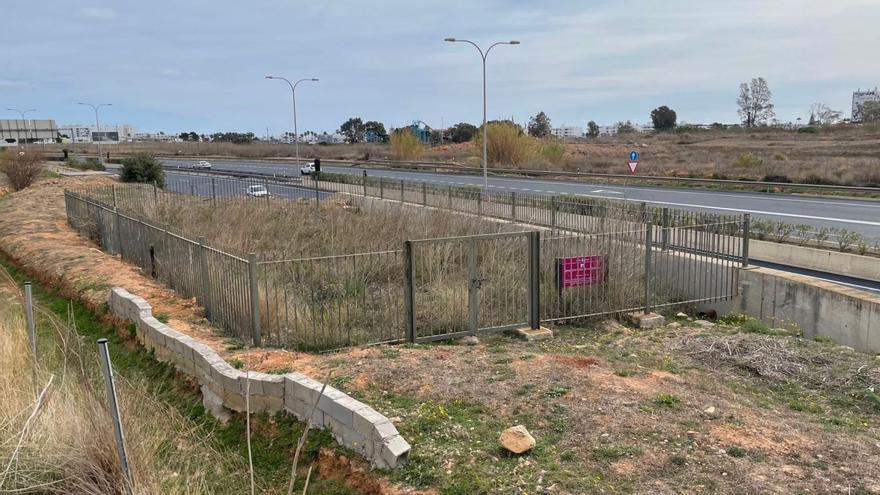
[(577, 361), (356, 475)]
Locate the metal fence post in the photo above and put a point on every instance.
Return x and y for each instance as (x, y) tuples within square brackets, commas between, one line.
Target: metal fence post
[(113, 405), (480, 203), (664, 233), (534, 279), (204, 281), (317, 197), (32, 332), (155, 193), (401, 191), (113, 188), (424, 194), (512, 205), (473, 285), (365, 183), (381, 188), (745, 240), (553, 212), (213, 192), (449, 197), (254, 299), (409, 291), (117, 230), (192, 189), (649, 228)]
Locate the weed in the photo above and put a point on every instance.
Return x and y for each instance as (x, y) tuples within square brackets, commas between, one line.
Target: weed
[(523, 390), (625, 372), (667, 400), (504, 360), (236, 363), (736, 451), (339, 381), (678, 460), (162, 316), (390, 352), (612, 453), (526, 357), (670, 365), (557, 391)]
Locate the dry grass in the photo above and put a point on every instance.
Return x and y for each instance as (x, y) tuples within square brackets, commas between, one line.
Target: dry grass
[(405, 145), (69, 447)]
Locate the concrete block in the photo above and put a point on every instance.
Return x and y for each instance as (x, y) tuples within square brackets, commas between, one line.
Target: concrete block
[(384, 430), (365, 421), (342, 409), (646, 320), (532, 334), (264, 403), (395, 451)]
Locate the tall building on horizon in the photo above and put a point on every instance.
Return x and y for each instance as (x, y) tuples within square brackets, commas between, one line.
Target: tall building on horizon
[(860, 98)]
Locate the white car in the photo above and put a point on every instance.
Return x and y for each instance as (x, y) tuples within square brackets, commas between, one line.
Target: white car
[(257, 191), (307, 169), (202, 164)]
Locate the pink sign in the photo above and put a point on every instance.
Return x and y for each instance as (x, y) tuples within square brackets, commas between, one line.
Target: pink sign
[(579, 271)]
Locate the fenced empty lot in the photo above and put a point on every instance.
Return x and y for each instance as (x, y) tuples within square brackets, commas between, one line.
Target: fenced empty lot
[(372, 260)]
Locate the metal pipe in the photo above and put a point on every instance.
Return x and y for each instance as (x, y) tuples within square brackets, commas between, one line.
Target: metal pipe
[(113, 405)]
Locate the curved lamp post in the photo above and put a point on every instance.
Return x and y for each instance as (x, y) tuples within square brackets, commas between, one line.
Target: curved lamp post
[(293, 92), (22, 112), (483, 56), (97, 124)]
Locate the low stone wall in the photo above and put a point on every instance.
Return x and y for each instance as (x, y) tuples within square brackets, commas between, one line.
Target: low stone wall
[(352, 423), (848, 316), (823, 260)]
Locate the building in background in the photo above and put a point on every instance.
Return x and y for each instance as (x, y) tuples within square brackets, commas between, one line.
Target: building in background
[(17, 131), (567, 132), (860, 98), (110, 133)]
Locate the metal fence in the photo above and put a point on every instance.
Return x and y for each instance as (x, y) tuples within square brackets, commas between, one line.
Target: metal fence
[(596, 257)]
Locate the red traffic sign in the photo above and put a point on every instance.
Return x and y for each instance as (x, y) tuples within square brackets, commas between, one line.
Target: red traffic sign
[(633, 161)]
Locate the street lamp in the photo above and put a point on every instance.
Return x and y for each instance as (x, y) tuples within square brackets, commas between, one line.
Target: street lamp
[(483, 56), (293, 92), (97, 124), (27, 131)]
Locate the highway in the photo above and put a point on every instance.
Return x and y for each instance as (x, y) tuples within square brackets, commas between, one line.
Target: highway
[(862, 216)]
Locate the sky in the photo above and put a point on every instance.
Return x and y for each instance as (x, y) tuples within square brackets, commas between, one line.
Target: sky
[(199, 65)]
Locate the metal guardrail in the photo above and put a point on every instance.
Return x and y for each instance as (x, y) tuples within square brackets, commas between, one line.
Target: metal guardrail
[(455, 167)]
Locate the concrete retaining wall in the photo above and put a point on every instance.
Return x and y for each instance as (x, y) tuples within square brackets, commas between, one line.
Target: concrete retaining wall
[(823, 260), (848, 316), (352, 423)]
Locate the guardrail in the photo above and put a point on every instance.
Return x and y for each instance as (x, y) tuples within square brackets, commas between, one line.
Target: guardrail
[(455, 167)]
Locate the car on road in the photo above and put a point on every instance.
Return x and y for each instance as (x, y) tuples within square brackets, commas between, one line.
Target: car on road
[(307, 169), (258, 191), (202, 164)]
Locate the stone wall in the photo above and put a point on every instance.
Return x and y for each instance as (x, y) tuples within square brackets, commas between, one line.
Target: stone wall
[(352, 423)]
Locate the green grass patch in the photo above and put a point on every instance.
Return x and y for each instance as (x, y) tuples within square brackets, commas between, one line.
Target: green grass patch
[(611, 453)]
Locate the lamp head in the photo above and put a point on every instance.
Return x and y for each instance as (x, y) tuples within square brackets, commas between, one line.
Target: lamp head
[(449, 39), (513, 42)]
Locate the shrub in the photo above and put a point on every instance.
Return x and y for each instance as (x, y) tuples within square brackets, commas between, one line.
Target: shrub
[(405, 145), (143, 167), (507, 144), (553, 152), (89, 164), (808, 130), (21, 168), (776, 178), (748, 160)]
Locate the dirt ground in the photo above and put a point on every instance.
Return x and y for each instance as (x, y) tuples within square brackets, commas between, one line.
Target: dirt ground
[(733, 408)]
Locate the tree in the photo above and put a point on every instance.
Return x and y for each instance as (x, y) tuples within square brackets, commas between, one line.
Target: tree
[(870, 111), (462, 132), (21, 168), (625, 127), (539, 126), (822, 114), (592, 129), (755, 102), (144, 168), (663, 118), (353, 130), (378, 128)]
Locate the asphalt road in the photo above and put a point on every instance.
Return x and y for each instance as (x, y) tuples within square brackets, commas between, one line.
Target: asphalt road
[(862, 216)]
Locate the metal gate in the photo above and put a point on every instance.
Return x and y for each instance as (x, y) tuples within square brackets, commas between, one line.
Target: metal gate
[(457, 286)]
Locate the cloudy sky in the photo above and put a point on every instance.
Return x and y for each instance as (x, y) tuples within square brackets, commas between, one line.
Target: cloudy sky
[(200, 65)]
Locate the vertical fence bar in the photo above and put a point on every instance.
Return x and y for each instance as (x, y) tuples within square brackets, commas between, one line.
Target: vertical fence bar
[(424, 194), (317, 198), (204, 281), (745, 240), (649, 227), (449, 197), (254, 299), (553, 212), (113, 405), (409, 291), (113, 188), (480, 203), (381, 188), (473, 285), (512, 205), (664, 233), (32, 331), (401, 191), (213, 192), (365, 183), (534, 279)]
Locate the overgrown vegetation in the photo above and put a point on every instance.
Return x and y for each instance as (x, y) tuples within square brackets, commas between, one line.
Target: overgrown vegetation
[(21, 168), (405, 145), (143, 168), (90, 163)]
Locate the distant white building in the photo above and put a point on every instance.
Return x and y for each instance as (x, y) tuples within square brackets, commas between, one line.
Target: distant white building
[(15, 131), (860, 98), (567, 132), (109, 133)]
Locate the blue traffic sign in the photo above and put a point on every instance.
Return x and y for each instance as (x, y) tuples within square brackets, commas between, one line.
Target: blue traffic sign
[(633, 156)]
